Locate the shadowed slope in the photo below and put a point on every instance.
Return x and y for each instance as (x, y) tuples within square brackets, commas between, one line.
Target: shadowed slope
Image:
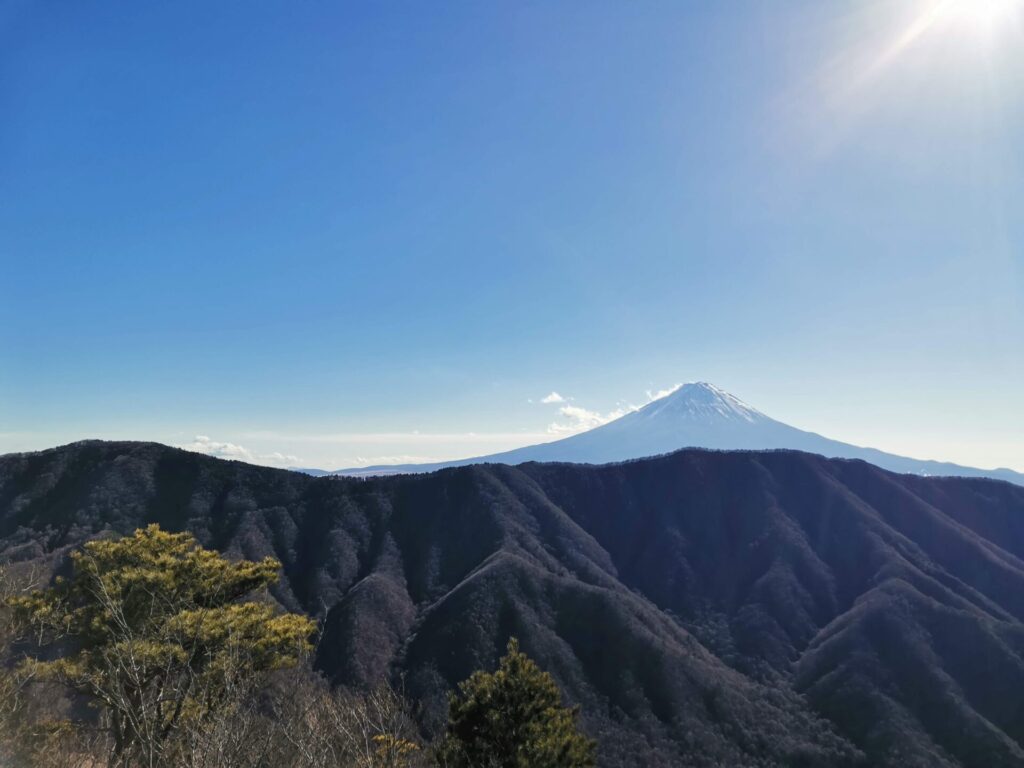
[(689, 602)]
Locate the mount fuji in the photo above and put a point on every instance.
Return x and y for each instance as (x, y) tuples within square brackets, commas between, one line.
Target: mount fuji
[(697, 415)]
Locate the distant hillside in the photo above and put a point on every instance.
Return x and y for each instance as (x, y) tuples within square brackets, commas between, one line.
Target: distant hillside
[(704, 608), (697, 415)]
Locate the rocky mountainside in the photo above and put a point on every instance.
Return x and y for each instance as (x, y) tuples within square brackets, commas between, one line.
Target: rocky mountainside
[(704, 608), (697, 415)]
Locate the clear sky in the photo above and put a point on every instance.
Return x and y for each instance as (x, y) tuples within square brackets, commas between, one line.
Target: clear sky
[(331, 233)]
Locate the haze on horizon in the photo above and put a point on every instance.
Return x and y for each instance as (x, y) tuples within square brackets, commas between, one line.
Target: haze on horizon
[(342, 235)]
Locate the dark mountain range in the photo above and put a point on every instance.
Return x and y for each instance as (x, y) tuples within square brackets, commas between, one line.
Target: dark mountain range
[(704, 608), (697, 415)]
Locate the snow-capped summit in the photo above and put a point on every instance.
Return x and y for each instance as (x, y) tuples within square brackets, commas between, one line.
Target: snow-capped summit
[(700, 401), (696, 415)]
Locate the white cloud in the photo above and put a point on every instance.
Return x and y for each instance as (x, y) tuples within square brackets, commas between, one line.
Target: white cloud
[(203, 444), (652, 396), (579, 419)]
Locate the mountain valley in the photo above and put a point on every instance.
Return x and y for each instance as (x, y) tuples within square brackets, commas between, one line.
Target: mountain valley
[(703, 607)]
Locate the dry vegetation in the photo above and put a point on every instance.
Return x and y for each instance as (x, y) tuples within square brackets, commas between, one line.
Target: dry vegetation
[(149, 656), (156, 652)]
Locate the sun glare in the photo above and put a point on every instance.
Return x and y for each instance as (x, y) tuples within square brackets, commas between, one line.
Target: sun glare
[(983, 26), (963, 59), (980, 13), (986, 21)]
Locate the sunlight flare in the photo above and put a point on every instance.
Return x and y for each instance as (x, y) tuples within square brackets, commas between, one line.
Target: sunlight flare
[(986, 21)]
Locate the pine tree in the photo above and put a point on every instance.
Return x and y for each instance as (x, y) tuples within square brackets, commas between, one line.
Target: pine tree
[(156, 632), (513, 718)]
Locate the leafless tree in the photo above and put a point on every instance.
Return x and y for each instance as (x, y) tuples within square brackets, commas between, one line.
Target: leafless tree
[(282, 719), (297, 721)]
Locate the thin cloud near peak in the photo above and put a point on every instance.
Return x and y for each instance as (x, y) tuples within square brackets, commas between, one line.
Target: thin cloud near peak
[(652, 396), (580, 419)]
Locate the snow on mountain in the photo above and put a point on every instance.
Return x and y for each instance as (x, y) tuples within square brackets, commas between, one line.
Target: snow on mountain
[(697, 415)]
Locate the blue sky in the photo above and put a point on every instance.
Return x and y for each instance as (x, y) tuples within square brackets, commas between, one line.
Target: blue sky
[(336, 233)]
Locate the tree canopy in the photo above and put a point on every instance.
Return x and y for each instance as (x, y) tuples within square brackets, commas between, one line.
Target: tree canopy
[(513, 718), (156, 631), (171, 645)]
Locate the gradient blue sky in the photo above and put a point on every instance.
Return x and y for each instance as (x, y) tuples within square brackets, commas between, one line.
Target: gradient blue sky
[(345, 232)]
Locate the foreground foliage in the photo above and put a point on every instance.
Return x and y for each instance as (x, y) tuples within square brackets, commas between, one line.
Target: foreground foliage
[(155, 634), (513, 718), (151, 632)]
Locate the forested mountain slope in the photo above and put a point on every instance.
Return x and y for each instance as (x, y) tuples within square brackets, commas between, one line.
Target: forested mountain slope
[(704, 608)]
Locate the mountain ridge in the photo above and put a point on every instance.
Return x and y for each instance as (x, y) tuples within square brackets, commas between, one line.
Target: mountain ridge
[(696, 415), (703, 607)]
